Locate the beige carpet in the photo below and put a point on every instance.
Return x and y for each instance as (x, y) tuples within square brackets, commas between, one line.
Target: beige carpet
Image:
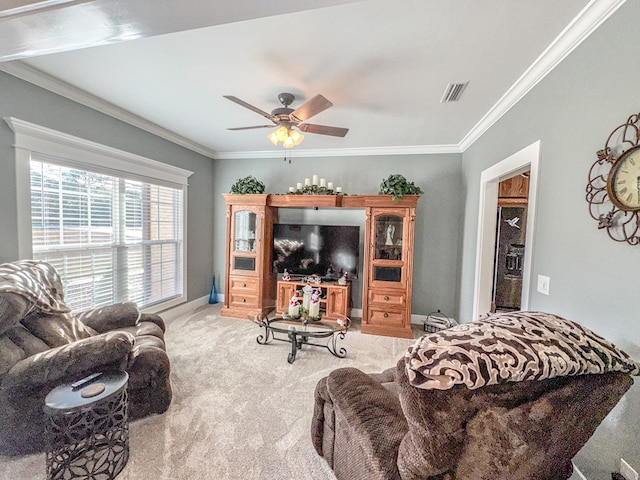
[(240, 411)]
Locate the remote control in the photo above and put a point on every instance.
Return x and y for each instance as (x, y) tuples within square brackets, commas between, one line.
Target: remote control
[(85, 381)]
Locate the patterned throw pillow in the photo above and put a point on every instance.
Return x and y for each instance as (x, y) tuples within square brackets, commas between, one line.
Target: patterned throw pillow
[(511, 347)]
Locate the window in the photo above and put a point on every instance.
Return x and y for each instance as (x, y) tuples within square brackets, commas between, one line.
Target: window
[(113, 235)]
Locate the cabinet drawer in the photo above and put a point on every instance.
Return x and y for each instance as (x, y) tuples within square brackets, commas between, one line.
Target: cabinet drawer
[(394, 299), (243, 300), (395, 318), (243, 285)]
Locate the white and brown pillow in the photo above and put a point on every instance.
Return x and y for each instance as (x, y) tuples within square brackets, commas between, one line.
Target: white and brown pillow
[(511, 347)]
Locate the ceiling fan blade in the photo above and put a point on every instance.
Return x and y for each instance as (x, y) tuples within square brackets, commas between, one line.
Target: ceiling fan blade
[(250, 107), (323, 129), (313, 107), (250, 128)]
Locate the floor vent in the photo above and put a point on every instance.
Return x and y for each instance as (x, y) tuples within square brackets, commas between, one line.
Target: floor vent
[(453, 92)]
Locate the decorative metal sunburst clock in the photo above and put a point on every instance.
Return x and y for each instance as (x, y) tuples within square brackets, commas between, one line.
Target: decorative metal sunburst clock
[(613, 190)]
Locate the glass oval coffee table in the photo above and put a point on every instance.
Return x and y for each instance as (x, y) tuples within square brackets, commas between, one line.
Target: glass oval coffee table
[(301, 332)]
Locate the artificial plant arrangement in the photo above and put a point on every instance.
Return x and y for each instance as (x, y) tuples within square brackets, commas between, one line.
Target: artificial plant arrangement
[(246, 185), (398, 186)]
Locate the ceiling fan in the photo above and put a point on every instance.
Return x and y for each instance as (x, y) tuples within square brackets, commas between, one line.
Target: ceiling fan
[(291, 122)]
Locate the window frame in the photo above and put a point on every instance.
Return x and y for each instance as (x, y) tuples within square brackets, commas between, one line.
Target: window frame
[(70, 151)]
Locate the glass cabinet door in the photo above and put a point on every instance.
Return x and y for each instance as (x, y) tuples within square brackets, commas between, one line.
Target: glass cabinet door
[(245, 231), (389, 231), (388, 249)]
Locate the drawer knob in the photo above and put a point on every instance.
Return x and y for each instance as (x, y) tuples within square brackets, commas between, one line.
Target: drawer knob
[(386, 297), (244, 285), (244, 300), (386, 315)]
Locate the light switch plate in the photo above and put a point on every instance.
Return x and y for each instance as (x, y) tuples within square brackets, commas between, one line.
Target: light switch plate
[(543, 284)]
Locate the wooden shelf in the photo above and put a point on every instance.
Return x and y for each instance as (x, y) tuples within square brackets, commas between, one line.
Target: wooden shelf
[(339, 201), (312, 201)]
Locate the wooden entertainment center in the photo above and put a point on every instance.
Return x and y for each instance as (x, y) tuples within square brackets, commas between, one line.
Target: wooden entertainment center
[(251, 285)]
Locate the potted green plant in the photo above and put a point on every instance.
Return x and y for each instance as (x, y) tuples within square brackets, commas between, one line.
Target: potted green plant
[(398, 186), (246, 185)]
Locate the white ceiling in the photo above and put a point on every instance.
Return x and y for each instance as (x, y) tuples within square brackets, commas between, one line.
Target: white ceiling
[(383, 63)]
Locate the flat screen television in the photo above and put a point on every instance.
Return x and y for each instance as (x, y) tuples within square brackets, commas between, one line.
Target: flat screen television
[(324, 250)]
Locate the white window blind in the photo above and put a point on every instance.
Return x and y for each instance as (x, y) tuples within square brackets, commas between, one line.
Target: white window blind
[(111, 239)]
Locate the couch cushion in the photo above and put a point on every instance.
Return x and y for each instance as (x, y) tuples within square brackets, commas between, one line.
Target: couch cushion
[(511, 347)]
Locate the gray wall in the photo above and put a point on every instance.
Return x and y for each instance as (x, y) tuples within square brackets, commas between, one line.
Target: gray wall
[(27, 102), (438, 216), (594, 280)]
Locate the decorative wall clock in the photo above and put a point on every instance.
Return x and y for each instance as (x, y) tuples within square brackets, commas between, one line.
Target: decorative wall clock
[(613, 190)]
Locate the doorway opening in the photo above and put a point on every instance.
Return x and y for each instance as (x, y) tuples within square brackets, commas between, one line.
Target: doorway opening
[(525, 160), (511, 227)]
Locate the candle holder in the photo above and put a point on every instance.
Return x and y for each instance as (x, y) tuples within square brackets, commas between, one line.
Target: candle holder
[(314, 190)]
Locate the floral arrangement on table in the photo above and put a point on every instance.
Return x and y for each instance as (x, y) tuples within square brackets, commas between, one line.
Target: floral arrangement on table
[(398, 186), (315, 186)]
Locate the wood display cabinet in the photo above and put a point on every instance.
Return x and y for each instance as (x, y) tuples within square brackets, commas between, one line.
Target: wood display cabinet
[(389, 239), (249, 287), (334, 300), (251, 283)]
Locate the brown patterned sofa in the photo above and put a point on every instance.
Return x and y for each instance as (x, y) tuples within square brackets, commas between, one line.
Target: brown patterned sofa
[(42, 345), (470, 424)]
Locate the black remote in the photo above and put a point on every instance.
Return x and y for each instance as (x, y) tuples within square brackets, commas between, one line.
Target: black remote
[(86, 380)]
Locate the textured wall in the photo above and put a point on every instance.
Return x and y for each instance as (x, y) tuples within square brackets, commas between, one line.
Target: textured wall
[(593, 279), (27, 102)]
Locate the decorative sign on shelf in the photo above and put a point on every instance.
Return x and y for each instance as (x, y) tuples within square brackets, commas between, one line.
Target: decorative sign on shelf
[(313, 187), (613, 189)]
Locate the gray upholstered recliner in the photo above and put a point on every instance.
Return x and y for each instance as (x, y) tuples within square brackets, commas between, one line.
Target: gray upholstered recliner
[(384, 427), (43, 345)]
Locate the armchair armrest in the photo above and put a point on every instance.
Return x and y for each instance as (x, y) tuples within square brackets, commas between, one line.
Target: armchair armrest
[(109, 350), (112, 317), (375, 421)]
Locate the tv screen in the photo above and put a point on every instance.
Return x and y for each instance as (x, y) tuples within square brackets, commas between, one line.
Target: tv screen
[(324, 250)]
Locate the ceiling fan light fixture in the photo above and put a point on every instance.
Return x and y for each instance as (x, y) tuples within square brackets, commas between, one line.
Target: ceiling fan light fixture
[(288, 136), (291, 123), (296, 136), (273, 137), (282, 133)]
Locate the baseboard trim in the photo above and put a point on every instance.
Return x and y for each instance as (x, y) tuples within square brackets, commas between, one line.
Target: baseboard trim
[(577, 473), (415, 318), (183, 308)]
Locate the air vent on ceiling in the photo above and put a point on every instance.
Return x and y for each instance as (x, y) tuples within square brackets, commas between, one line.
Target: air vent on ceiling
[(453, 92)]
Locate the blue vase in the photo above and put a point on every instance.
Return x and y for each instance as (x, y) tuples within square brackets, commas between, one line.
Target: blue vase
[(213, 296)]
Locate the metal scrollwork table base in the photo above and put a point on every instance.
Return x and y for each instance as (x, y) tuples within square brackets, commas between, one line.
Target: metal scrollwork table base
[(300, 332)]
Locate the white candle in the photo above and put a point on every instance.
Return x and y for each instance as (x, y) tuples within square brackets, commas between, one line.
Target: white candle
[(307, 182), (330, 185), (339, 189), (291, 189), (314, 309), (299, 185), (323, 182), (315, 180)]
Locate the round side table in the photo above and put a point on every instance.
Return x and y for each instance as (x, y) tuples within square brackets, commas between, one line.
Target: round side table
[(87, 432)]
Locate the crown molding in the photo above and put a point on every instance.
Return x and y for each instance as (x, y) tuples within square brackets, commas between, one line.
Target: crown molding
[(343, 152), (588, 20), (41, 79), (583, 25)]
